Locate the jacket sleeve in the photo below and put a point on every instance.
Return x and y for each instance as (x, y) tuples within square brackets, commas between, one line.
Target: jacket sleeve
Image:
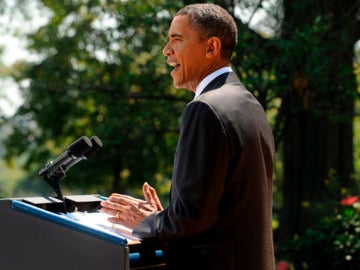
[(199, 175)]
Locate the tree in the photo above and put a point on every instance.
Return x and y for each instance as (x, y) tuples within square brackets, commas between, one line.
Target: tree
[(101, 72), (317, 89)]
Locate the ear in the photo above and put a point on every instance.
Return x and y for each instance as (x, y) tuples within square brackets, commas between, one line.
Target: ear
[(213, 47)]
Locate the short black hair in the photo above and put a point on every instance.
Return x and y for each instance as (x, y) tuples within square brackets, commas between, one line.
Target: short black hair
[(211, 20)]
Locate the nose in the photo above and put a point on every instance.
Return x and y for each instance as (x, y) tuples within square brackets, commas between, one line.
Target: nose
[(167, 50)]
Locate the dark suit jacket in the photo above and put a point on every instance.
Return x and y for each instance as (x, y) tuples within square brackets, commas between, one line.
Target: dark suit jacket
[(220, 210)]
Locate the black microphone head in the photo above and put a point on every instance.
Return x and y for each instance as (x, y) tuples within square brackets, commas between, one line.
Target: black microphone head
[(80, 146), (96, 141), (96, 145)]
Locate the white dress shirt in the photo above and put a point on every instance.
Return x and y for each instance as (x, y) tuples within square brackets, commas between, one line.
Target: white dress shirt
[(209, 78)]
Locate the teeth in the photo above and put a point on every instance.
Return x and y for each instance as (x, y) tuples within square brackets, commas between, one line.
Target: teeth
[(174, 64)]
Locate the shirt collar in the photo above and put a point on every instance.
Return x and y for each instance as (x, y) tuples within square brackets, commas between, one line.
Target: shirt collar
[(201, 86)]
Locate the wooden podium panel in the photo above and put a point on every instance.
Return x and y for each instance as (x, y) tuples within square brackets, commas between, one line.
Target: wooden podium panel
[(33, 235)]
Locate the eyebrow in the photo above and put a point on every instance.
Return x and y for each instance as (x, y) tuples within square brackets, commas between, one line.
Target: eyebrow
[(174, 35)]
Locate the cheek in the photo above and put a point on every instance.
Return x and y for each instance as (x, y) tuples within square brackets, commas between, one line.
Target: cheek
[(192, 66)]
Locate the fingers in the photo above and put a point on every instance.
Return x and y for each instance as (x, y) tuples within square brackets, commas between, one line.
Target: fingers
[(129, 221), (129, 211), (125, 210), (146, 192), (122, 214), (114, 209), (156, 199), (151, 196), (121, 197)]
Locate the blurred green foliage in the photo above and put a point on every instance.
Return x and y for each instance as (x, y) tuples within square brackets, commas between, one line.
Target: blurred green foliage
[(333, 243), (99, 70)]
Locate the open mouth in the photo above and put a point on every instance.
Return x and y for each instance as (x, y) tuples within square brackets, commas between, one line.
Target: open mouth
[(174, 65), (175, 68)]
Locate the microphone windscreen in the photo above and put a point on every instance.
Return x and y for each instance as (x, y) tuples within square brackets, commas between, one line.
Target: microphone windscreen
[(80, 146), (96, 145)]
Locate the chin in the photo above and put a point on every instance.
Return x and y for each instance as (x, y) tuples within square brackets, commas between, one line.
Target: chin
[(176, 84)]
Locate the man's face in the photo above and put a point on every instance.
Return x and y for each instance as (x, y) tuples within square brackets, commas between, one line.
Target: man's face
[(186, 53)]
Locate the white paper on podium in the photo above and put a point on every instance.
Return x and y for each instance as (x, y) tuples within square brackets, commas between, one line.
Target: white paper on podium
[(99, 221)]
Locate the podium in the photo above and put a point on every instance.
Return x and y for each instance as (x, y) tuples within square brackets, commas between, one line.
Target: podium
[(36, 234)]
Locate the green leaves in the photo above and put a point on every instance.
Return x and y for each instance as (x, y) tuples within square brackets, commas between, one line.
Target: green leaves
[(101, 73)]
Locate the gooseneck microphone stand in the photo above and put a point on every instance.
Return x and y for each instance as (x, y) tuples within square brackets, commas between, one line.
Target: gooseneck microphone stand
[(54, 181)]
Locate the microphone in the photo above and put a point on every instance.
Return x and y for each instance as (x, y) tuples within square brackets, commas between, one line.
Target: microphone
[(55, 170), (74, 151), (96, 145)]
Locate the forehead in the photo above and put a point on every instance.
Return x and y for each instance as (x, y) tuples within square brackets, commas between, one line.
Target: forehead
[(180, 25)]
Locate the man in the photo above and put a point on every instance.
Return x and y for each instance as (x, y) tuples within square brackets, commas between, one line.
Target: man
[(220, 210)]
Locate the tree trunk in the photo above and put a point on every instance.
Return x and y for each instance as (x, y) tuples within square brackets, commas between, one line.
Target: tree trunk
[(318, 140)]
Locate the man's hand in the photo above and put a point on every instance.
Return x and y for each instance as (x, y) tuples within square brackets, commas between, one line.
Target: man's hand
[(129, 211), (151, 197)]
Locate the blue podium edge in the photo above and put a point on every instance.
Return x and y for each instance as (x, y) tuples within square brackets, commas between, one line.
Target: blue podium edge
[(66, 222)]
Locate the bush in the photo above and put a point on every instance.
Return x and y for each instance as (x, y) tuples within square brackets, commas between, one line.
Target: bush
[(334, 243)]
